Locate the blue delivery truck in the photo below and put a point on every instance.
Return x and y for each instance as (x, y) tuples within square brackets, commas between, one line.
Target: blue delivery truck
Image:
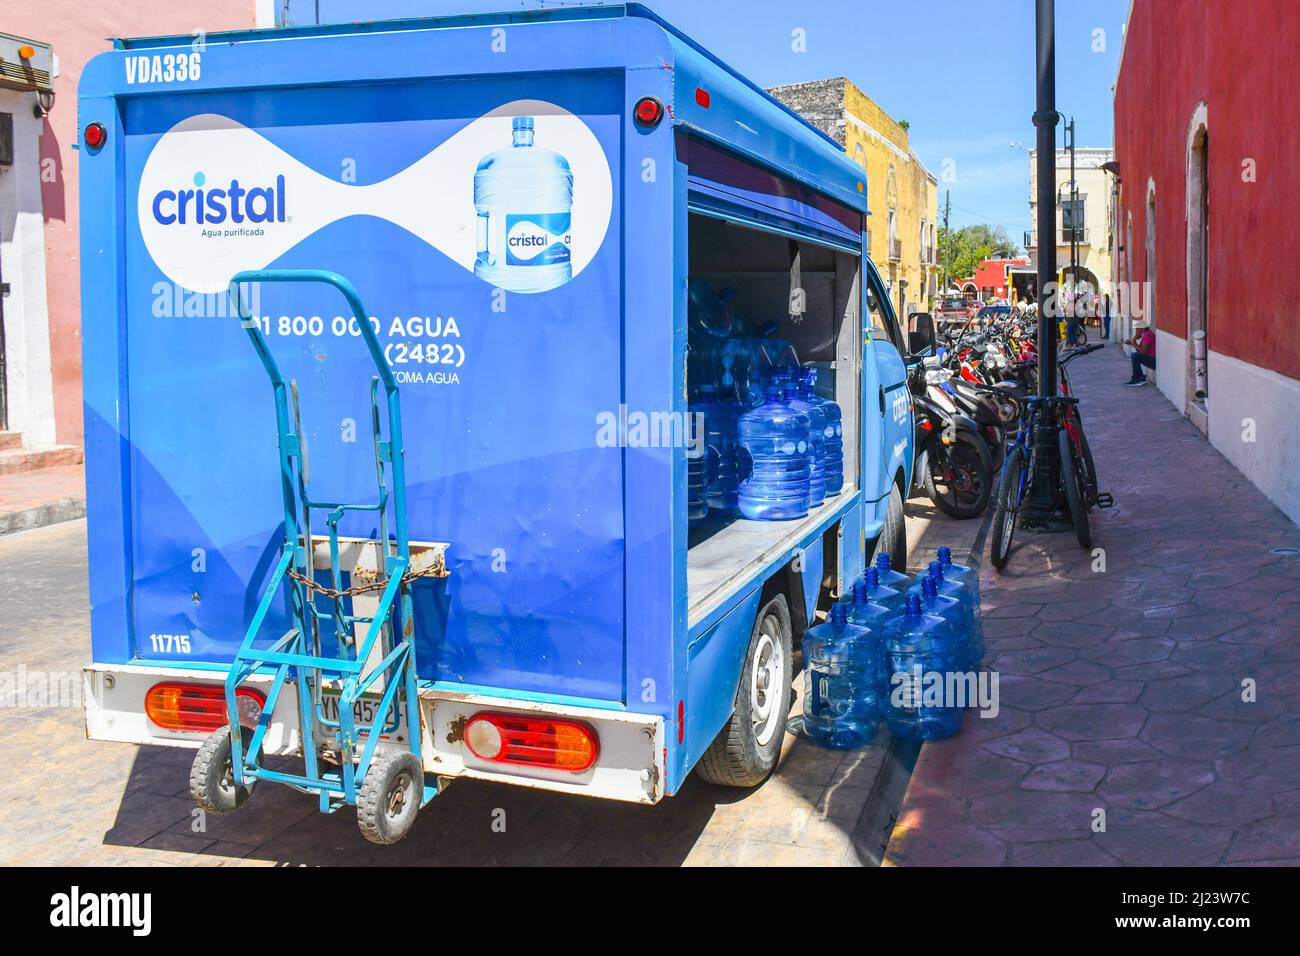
[(392, 334)]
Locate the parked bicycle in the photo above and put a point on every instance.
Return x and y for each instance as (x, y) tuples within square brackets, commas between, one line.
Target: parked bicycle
[(1078, 473)]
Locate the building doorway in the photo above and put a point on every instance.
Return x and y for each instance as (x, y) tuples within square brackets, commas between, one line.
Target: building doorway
[(1198, 205)]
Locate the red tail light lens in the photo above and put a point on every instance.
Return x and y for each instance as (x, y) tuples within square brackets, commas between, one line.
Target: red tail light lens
[(94, 135), (648, 112), (532, 741), (199, 707)]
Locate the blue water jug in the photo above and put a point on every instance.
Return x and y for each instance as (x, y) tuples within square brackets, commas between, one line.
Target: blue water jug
[(523, 195), (866, 613), (721, 417), (774, 461), (833, 431), (969, 578), (918, 652), (697, 486), (816, 441), (877, 593), (841, 682), (951, 610), (891, 579), (972, 635)]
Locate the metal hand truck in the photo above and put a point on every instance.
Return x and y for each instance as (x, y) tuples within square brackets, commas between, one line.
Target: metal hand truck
[(342, 757)]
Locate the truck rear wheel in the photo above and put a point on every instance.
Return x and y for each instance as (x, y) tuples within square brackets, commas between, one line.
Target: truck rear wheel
[(745, 752)]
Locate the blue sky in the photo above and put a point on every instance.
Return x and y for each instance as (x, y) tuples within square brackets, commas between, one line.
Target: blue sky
[(961, 72)]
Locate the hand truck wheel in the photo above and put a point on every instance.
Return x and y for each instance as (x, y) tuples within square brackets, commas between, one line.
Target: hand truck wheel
[(390, 797), (212, 778)]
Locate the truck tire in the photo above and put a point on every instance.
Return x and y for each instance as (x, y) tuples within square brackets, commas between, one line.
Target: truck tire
[(212, 778), (745, 752), (893, 536), (390, 797)]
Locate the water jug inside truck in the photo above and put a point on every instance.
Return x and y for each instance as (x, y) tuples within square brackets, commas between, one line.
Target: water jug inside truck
[(762, 307)]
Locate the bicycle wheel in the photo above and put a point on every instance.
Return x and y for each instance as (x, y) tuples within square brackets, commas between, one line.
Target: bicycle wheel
[(1070, 482), (1005, 508), (1088, 472)]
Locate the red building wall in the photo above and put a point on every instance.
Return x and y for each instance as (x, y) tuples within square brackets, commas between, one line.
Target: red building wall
[(78, 30), (1239, 59)]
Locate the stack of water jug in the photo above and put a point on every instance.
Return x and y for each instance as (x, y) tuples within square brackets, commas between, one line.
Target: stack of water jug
[(876, 655), (773, 447)]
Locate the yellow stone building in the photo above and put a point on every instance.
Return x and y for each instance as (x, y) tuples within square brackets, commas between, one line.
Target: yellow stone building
[(902, 195)]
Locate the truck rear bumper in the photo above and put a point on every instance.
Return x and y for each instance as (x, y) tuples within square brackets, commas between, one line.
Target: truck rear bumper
[(629, 767)]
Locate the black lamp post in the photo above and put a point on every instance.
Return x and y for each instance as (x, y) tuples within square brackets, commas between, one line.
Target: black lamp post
[(1038, 510)]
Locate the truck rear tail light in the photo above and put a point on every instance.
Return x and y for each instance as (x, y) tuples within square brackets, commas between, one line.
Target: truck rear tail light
[(648, 112), (94, 136), (200, 707), (532, 741)]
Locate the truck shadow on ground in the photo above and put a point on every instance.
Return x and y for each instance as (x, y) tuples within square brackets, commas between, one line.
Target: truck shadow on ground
[(813, 810)]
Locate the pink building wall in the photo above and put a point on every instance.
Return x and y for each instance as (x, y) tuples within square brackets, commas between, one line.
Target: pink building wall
[(78, 30), (1240, 60)]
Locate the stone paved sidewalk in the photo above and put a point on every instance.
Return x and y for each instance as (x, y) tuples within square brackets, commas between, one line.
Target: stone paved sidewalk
[(1122, 689)]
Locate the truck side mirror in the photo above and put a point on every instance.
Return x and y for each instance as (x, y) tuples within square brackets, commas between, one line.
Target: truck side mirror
[(920, 332)]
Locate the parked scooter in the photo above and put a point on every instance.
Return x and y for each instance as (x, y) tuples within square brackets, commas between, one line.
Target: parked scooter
[(954, 464)]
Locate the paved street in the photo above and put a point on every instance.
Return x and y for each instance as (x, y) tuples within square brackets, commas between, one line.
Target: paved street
[(77, 802), (1122, 690)]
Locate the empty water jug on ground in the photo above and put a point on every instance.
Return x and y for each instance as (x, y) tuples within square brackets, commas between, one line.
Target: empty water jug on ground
[(889, 578), (972, 634), (951, 610), (969, 578), (877, 593), (774, 461), (841, 682), (918, 652)]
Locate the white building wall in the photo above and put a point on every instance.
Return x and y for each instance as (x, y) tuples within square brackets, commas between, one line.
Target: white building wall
[(22, 262)]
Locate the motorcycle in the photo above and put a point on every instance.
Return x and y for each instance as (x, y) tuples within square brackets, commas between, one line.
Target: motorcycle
[(954, 465)]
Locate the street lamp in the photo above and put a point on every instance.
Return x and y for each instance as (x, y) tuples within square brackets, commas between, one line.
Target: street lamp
[(44, 103)]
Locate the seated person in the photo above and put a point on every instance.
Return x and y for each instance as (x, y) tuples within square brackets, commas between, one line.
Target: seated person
[(1144, 352)]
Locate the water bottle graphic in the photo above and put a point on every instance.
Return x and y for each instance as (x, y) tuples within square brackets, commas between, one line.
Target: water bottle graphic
[(524, 198)]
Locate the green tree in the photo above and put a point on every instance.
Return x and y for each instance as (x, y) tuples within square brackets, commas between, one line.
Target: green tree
[(962, 250)]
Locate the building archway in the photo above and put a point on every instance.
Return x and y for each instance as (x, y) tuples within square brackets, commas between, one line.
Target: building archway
[(1196, 390)]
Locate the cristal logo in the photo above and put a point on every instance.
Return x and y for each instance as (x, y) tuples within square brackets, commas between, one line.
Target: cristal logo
[(213, 205), (227, 183), (527, 239)]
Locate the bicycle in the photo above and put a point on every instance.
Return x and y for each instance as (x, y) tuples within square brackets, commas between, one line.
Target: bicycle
[(1078, 473)]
